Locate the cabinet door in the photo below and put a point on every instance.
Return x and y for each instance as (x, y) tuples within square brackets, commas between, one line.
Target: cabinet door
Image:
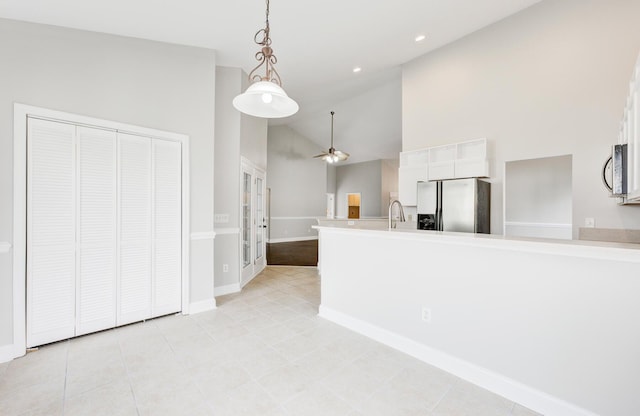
[(167, 231), (51, 232), (408, 178), (134, 202), (96, 207)]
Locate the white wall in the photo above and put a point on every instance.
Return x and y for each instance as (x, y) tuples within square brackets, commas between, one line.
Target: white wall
[(551, 326), (150, 84), (236, 135), (364, 178), (551, 80), (227, 176), (389, 184), (298, 184)]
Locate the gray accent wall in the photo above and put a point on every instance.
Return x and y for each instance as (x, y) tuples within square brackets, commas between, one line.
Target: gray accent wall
[(364, 178), (551, 80), (298, 184), (145, 83)]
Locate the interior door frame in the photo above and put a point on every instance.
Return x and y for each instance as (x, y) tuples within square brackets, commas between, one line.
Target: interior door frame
[(248, 272), (259, 263), (20, 114), (359, 206)]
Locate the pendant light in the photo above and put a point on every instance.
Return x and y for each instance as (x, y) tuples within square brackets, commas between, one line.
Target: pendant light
[(333, 155), (265, 97)]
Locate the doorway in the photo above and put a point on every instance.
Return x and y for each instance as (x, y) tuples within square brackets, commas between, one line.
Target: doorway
[(331, 206), (353, 206), (254, 221)]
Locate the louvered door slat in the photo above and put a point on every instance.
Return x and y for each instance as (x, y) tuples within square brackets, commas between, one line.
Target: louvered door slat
[(134, 275), (167, 282), (96, 282), (50, 232)]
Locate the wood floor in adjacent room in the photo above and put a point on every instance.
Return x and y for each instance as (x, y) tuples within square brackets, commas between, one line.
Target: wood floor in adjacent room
[(294, 253)]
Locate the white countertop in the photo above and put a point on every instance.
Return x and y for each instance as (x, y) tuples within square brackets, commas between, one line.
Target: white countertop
[(580, 248)]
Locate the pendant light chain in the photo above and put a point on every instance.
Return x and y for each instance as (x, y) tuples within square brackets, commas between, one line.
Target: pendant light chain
[(265, 97), (265, 56), (332, 113)]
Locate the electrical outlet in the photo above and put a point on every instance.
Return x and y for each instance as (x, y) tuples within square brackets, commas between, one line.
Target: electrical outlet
[(350, 222), (225, 268), (589, 222), (426, 314), (410, 217)]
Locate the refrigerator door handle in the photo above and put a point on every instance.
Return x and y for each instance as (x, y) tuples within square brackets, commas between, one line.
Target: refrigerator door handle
[(439, 205)]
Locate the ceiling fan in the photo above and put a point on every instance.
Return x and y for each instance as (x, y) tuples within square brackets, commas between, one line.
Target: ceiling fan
[(333, 155)]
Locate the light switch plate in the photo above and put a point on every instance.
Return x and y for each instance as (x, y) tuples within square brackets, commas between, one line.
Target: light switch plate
[(221, 218)]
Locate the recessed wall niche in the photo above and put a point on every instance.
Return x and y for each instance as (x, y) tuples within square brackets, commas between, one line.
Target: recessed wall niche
[(538, 197)]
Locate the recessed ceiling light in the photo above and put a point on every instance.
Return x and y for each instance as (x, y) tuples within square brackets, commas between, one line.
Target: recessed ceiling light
[(420, 38), (357, 69)]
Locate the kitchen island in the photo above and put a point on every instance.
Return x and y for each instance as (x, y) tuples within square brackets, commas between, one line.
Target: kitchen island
[(553, 325)]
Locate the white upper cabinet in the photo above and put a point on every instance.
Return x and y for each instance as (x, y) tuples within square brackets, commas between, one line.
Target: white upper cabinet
[(471, 159), (452, 161), (413, 169), (630, 134), (442, 162)]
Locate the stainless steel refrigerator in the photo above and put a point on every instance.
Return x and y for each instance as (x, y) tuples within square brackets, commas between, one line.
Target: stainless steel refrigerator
[(462, 205)]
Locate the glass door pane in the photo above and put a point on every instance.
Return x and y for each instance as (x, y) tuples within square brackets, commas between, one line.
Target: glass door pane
[(259, 217), (246, 219)]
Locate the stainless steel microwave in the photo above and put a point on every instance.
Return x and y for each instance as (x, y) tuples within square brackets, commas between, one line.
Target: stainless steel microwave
[(614, 173)]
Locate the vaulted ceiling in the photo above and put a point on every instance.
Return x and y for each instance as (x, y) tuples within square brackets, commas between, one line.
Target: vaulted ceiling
[(317, 45)]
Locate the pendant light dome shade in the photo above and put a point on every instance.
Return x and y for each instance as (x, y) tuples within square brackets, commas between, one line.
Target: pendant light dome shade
[(265, 99)]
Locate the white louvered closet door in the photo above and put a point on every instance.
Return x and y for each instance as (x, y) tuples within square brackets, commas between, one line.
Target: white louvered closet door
[(96, 208), (134, 276), (167, 205), (51, 229)]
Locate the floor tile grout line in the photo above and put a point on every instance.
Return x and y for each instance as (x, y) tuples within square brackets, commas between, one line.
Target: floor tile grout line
[(66, 377), (129, 378), (451, 387)]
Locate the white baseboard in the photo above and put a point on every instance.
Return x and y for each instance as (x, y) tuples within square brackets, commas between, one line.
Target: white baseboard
[(292, 239), (7, 353), (513, 390), (226, 290), (202, 306)]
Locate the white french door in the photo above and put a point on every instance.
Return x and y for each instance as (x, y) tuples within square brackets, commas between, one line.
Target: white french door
[(253, 221), (104, 229), (260, 222)]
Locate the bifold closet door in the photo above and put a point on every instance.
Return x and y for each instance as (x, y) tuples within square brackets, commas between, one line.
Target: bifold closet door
[(150, 200), (51, 231), (167, 227), (104, 229), (96, 237), (135, 269)]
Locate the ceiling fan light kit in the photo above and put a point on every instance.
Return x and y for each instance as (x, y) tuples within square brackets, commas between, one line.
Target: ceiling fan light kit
[(265, 97), (333, 155)]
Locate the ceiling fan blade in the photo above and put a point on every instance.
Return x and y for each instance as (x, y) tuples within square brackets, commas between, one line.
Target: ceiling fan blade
[(321, 155), (341, 155)]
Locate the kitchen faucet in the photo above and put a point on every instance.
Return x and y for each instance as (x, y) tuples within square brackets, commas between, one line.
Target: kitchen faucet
[(392, 224)]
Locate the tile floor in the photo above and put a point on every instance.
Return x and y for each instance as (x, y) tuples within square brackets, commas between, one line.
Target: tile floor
[(262, 352)]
